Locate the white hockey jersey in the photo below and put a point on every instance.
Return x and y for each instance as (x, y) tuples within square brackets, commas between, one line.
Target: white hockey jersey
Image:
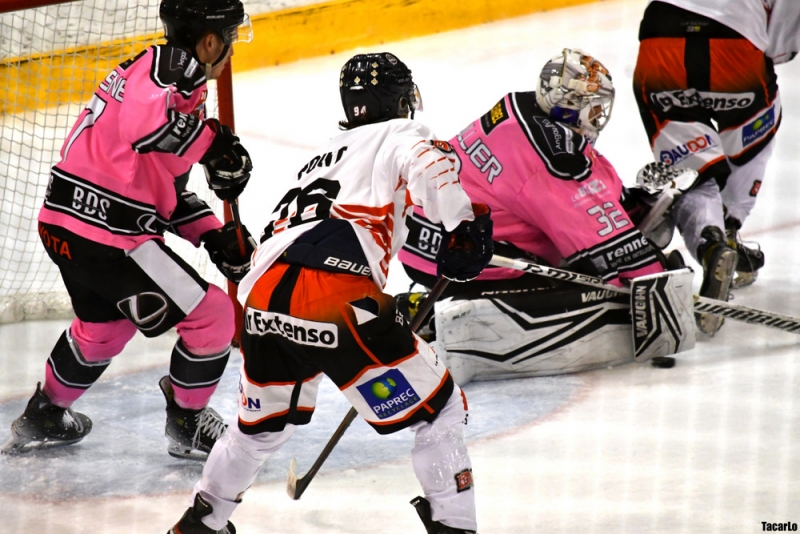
[(784, 30), (771, 25), (369, 176), (748, 17)]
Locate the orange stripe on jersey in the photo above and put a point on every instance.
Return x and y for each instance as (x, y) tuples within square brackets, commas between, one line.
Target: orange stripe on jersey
[(270, 416), (434, 162), (274, 415), (736, 66), (379, 365), (710, 163), (290, 383), (262, 292), (362, 211), (352, 329)]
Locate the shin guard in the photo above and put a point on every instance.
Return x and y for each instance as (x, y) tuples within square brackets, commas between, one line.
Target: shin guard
[(68, 373), (194, 378)]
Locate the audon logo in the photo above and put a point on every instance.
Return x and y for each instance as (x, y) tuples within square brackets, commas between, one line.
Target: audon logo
[(248, 403), (312, 333), (389, 394), (689, 148), (759, 127), (692, 98)]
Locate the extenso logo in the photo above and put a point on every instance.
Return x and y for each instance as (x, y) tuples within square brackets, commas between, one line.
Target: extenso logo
[(260, 323)]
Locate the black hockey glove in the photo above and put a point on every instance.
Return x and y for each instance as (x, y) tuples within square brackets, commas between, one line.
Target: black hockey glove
[(466, 250), (226, 162), (223, 249)]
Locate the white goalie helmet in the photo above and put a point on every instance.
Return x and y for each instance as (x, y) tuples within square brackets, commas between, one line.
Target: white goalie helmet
[(575, 89)]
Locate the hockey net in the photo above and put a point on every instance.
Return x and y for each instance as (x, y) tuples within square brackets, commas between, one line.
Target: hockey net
[(52, 58)]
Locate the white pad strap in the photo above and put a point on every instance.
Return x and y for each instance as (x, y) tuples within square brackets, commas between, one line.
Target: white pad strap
[(662, 309), (657, 226)]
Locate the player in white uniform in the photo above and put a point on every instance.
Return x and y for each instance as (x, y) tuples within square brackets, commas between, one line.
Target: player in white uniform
[(709, 100), (314, 303)]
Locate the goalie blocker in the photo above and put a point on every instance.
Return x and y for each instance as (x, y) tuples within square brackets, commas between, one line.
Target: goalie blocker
[(567, 329)]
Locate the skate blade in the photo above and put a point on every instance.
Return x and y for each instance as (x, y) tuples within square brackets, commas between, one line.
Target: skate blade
[(724, 272), (16, 445), (22, 444), (743, 279), (178, 451), (709, 324)]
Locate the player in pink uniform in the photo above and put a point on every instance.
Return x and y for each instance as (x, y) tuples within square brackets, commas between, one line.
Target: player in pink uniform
[(120, 184), (555, 200)]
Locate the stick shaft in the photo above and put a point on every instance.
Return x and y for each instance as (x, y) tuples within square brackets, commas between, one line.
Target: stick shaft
[(701, 304), (301, 483), (237, 220)]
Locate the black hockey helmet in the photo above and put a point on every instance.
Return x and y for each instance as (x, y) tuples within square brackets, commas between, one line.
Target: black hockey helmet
[(376, 88), (186, 21)]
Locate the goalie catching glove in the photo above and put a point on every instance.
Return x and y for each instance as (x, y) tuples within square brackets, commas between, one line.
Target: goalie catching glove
[(649, 202), (226, 162), (466, 250), (223, 249)]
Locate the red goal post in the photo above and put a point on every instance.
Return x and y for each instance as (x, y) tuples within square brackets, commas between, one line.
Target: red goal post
[(53, 54)]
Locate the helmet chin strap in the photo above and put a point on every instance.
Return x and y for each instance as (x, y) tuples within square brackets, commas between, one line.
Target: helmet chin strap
[(208, 66)]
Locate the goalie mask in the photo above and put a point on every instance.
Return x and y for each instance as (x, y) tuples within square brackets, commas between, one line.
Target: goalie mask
[(187, 21), (575, 89), (377, 88)]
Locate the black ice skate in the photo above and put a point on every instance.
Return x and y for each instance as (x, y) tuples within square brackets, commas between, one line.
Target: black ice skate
[(719, 264), (434, 527), (191, 522), (750, 259), (45, 425), (191, 433)]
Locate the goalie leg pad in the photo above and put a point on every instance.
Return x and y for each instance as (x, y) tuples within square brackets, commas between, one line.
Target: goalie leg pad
[(520, 335), (662, 310)]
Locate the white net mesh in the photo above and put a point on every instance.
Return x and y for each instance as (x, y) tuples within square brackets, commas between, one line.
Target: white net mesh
[(51, 60)]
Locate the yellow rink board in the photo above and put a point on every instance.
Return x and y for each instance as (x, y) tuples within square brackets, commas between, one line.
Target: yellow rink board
[(279, 37)]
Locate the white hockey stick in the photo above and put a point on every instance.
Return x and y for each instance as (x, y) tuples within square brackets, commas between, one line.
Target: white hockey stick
[(701, 304)]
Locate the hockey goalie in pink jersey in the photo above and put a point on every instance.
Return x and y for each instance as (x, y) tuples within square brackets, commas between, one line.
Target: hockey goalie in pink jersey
[(120, 184), (555, 200)]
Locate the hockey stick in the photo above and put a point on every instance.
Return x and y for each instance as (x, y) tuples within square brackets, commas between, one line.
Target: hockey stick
[(237, 220), (295, 486), (701, 304)]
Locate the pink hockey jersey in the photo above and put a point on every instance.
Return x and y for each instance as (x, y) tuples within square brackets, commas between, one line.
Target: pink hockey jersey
[(123, 166), (551, 194), (371, 177)]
